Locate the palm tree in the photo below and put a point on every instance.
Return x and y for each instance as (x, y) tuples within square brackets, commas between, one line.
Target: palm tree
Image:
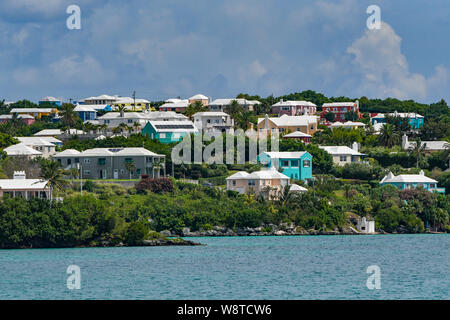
[(53, 175), (123, 127), (68, 116), (104, 128), (235, 110), (156, 165), (389, 137), (116, 130), (136, 126), (131, 166), (194, 108), (417, 149), (73, 173), (121, 109)]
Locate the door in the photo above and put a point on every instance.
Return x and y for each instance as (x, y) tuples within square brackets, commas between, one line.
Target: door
[(116, 174)]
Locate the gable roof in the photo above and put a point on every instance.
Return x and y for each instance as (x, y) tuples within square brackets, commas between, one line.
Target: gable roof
[(15, 184), (270, 173), (340, 150), (291, 121), (199, 97), (407, 178), (285, 154), (95, 152), (173, 126), (21, 149), (297, 134), (294, 103)]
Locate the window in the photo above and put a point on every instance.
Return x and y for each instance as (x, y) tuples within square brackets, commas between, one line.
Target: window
[(87, 172), (77, 160), (130, 120), (59, 161), (121, 171), (149, 159), (234, 182), (251, 182), (306, 163), (128, 160), (101, 161), (107, 121), (342, 158), (162, 135), (294, 163), (176, 135), (285, 163), (87, 161), (69, 161), (138, 171)]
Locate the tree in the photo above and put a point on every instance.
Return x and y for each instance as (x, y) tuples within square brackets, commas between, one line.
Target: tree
[(136, 126), (131, 166), (193, 108), (68, 115), (351, 116), (417, 149), (121, 109), (53, 174), (388, 136), (330, 116)]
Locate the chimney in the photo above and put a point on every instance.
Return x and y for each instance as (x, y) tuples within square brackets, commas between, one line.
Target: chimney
[(19, 175), (405, 143), (355, 146), (121, 113), (281, 100), (266, 125), (422, 173)]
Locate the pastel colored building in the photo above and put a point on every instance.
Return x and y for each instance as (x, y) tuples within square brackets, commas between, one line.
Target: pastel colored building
[(204, 100), (111, 163), (51, 100), (347, 125), (175, 105), (296, 165), (169, 131), (288, 124), (37, 113), (223, 104), (343, 154), (20, 186), (294, 108), (114, 119), (115, 101), (410, 181), (429, 146), (85, 112), (340, 109), (415, 120), (26, 118), (269, 182), (22, 150), (43, 145)]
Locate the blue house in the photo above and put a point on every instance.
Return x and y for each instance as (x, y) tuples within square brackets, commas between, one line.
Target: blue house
[(51, 101), (409, 181), (415, 120), (296, 165), (86, 112), (169, 131)]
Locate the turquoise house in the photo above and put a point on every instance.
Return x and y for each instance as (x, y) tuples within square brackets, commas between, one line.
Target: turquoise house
[(410, 181), (296, 165), (169, 131), (415, 120)]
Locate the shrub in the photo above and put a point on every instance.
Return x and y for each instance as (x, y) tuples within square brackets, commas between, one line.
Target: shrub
[(161, 185)]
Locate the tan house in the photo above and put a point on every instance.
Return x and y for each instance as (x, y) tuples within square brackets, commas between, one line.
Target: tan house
[(287, 124), (204, 100), (268, 182), (20, 186)]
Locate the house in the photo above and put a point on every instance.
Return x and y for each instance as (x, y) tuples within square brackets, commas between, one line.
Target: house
[(37, 113), (26, 118), (343, 154), (415, 120), (269, 182), (22, 150), (298, 135), (57, 132), (20, 186), (169, 131), (409, 181), (176, 105), (429, 146), (112, 163), (365, 226), (295, 188), (116, 101), (294, 108), (86, 112), (223, 104), (114, 119), (340, 109), (43, 145), (287, 124), (51, 100), (347, 125), (296, 165), (97, 107), (213, 121), (204, 100), (103, 99)]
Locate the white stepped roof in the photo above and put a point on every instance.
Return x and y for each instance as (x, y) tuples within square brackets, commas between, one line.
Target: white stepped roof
[(17, 184), (294, 103), (32, 110), (176, 104), (270, 173), (339, 104), (297, 134), (56, 132), (35, 141), (407, 178), (284, 154), (84, 108), (20, 116), (210, 114), (107, 152), (68, 153), (296, 188), (199, 97), (341, 150), (222, 102), (347, 124), (21, 149), (51, 99), (288, 121)]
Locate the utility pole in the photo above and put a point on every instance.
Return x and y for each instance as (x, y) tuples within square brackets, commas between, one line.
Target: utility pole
[(134, 98)]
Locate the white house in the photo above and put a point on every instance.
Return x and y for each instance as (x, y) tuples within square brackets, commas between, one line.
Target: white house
[(223, 104), (212, 121), (365, 226), (20, 186), (343, 154), (294, 108), (429, 146), (22, 150), (43, 145)]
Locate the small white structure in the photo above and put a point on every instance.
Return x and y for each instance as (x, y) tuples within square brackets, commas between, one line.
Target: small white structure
[(347, 125), (297, 189), (343, 154), (365, 226), (429, 146)]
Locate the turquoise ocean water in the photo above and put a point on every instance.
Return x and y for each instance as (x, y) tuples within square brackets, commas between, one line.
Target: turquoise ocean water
[(301, 267)]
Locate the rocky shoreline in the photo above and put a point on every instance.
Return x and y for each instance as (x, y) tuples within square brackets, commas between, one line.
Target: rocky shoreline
[(267, 230)]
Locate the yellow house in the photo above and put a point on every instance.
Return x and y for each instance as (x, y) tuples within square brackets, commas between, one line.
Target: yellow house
[(35, 112), (285, 124)]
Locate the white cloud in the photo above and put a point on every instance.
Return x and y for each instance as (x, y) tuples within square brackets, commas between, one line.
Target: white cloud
[(378, 58)]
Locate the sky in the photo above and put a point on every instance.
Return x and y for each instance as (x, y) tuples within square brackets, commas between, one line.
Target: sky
[(165, 48)]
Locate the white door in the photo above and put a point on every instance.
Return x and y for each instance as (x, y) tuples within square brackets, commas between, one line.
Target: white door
[(116, 174)]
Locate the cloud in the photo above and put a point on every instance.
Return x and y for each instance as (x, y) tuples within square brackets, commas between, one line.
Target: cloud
[(378, 58)]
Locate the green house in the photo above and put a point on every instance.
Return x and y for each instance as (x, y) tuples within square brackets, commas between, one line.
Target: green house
[(169, 131)]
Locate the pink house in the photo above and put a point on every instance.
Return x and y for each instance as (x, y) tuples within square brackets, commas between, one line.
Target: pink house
[(26, 118), (294, 108)]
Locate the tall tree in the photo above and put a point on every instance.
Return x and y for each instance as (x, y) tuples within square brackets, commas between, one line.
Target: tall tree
[(68, 115), (131, 166), (53, 174), (418, 150), (388, 136)]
